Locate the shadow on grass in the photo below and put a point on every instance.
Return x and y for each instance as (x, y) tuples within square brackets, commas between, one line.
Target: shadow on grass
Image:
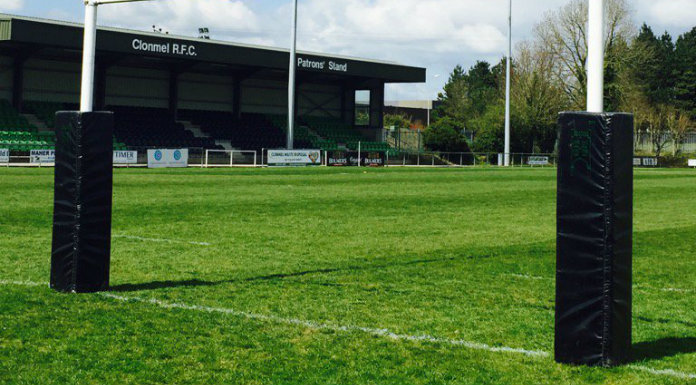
[(197, 283), (662, 348)]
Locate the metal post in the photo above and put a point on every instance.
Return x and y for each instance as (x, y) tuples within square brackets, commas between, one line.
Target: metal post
[(507, 88), (359, 157), (291, 82), (88, 53), (595, 57)]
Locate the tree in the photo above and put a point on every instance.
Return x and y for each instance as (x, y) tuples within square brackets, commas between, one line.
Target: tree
[(563, 34), (679, 126), (467, 94), (397, 121), (657, 129), (536, 99), (445, 135), (685, 73)]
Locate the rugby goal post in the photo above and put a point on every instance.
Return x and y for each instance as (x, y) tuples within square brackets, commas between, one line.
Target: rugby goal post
[(230, 158)]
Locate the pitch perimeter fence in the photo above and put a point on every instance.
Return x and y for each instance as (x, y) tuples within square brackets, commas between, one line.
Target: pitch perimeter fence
[(207, 158)]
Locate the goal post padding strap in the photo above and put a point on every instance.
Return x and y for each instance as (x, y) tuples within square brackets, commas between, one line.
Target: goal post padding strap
[(594, 238), (80, 254)]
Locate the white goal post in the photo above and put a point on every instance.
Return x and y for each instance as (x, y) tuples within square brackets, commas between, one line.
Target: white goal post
[(230, 158)]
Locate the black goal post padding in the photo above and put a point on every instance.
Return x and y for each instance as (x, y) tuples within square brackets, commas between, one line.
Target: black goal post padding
[(594, 238), (80, 255)]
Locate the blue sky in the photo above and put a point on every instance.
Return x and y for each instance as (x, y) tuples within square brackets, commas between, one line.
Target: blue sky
[(436, 34)]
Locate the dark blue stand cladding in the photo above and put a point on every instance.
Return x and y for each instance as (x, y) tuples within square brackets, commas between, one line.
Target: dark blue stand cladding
[(81, 249), (594, 239)]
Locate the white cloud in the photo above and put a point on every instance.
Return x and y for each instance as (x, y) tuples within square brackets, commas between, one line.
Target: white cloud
[(678, 13), (11, 5), (181, 16), (436, 34)]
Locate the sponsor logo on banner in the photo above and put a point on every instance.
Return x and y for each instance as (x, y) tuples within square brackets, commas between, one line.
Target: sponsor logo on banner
[(373, 159), (538, 161), (692, 162), (294, 157), (167, 158), (368, 158), (337, 159), (4, 155), (637, 161), (125, 157), (42, 156)]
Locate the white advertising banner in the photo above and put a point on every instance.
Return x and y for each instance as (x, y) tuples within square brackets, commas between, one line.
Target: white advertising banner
[(538, 161), (4, 155), (692, 162), (294, 157), (42, 156), (125, 157), (167, 158)]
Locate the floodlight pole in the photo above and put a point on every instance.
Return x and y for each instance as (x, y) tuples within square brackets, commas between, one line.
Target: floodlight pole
[(507, 88), (89, 51), (291, 79), (595, 57)]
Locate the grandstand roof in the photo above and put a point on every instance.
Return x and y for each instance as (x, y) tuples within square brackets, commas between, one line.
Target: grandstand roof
[(53, 38)]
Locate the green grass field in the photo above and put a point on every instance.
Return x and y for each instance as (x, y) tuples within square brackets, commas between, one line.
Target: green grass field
[(325, 276)]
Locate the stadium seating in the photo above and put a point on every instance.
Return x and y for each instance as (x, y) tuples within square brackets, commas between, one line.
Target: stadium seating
[(141, 127), (248, 132)]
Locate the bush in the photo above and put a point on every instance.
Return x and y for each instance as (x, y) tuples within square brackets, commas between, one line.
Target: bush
[(445, 135)]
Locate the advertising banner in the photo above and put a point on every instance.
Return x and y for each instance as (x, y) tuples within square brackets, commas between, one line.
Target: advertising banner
[(373, 159), (42, 156), (166, 158), (294, 157), (692, 162), (125, 157), (337, 159), (367, 159), (645, 162), (4, 155), (538, 161)]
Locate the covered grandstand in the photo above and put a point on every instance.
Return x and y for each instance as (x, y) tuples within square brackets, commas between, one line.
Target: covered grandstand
[(172, 91)]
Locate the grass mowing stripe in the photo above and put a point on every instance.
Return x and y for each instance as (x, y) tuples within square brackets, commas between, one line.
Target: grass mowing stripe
[(349, 328), (160, 240)]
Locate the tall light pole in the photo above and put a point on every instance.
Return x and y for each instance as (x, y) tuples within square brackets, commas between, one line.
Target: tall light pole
[(291, 80), (507, 88), (595, 57), (89, 51)]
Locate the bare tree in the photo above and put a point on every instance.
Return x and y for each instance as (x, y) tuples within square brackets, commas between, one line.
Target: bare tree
[(563, 34), (679, 126), (657, 128)]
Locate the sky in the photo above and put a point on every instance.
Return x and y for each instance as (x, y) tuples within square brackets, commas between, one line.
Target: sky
[(435, 34)]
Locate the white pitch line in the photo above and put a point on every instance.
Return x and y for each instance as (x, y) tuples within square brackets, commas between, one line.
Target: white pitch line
[(348, 328), (160, 240), (637, 286), (664, 372), (22, 283), (337, 328)]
